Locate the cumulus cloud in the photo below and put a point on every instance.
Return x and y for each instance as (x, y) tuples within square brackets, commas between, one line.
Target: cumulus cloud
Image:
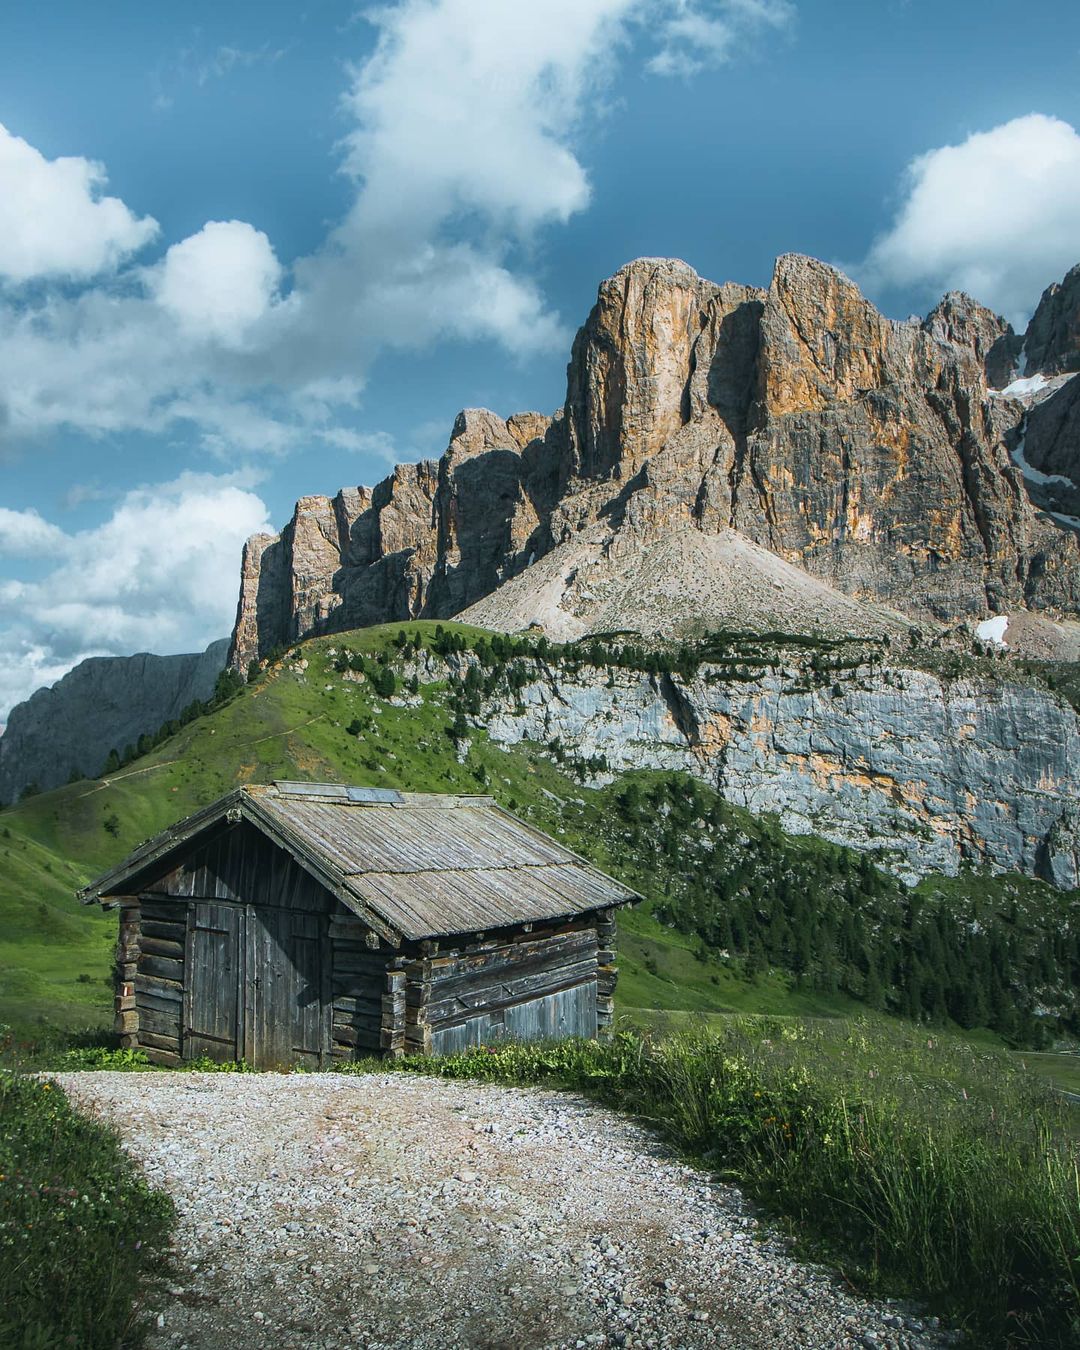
[(466, 104), (218, 282), (26, 534), (161, 573), (997, 216), (464, 118), (55, 221), (696, 35)]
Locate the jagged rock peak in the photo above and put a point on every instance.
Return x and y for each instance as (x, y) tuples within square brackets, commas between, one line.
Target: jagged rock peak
[(1052, 346), (963, 322), (478, 430), (863, 450), (670, 269)]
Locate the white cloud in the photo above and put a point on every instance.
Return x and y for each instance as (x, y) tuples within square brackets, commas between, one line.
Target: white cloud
[(219, 282), (465, 118), (54, 220), (997, 216), (26, 534), (160, 574), (466, 104), (697, 34)]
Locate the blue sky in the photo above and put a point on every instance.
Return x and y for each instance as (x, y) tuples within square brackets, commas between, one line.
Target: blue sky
[(253, 250)]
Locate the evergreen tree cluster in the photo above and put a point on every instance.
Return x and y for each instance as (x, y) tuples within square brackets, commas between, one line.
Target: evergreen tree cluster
[(837, 923)]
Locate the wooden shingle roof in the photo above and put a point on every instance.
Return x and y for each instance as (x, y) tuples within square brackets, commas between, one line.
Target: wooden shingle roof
[(412, 865)]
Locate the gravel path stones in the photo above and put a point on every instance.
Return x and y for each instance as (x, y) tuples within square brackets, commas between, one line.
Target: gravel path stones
[(390, 1212)]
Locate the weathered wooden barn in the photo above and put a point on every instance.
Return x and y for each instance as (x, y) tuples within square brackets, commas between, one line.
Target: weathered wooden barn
[(312, 922)]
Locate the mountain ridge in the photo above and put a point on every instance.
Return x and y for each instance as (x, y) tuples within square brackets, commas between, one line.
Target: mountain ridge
[(877, 456), (104, 703)]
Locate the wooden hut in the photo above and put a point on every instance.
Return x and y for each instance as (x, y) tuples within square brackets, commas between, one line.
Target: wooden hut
[(312, 922)]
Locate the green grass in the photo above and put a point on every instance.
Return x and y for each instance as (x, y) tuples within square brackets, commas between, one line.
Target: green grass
[(55, 955), (80, 1234), (921, 1164), (1062, 1071)]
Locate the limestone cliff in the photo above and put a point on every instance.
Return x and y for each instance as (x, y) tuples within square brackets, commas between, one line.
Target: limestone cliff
[(105, 703), (929, 772), (877, 457)]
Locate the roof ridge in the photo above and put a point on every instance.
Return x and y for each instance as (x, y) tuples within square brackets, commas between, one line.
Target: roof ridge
[(357, 795)]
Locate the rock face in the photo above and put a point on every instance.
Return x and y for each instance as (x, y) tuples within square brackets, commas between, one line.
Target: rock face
[(105, 703), (1052, 345), (868, 453), (931, 772)]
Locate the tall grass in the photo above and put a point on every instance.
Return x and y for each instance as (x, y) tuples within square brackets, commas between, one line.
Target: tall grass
[(924, 1165), (80, 1233)]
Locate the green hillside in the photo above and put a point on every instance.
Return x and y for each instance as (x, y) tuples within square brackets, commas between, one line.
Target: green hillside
[(740, 916)]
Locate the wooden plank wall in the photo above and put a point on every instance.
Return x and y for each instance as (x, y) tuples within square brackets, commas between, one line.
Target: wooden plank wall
[(607, 972), (360, 989), (242, 866), (538, 984), (159, 978), (125, 968)]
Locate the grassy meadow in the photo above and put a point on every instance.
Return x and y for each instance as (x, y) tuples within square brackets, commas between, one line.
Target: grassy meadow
[(918, 1164), (80, 1234), (918, 1160)]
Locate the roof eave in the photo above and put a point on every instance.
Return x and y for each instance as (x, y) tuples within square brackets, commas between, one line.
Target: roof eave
[(146, 854)]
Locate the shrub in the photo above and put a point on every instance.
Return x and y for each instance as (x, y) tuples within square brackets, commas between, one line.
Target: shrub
[(80, 1233), (925, 1165), (383, 681)]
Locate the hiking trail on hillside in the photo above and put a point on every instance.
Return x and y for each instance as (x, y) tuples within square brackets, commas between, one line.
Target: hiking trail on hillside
[(384, 1211)]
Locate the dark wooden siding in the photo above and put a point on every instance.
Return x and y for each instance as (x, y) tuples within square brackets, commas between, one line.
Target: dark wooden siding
[(540, 985), (238, 952), (234, 956), (286, 1006), (215, 936), (244, 867), (359, 985), (159, 978)]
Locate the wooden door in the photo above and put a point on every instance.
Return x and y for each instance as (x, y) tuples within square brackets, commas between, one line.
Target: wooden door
[(213, 962), (286, 1002)]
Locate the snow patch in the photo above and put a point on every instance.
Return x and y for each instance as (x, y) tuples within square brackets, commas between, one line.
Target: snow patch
[(1073, 522), (1036, 475), (1031, 384), (993, 630)]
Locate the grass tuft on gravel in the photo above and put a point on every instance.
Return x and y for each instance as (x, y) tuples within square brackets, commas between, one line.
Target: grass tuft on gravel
[(80, 1233), (922, 1165)]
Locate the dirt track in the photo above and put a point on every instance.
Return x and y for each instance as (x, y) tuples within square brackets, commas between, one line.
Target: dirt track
[(324, 1210)]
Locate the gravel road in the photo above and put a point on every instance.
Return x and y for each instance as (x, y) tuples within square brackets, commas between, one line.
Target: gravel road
[(392, 1211)]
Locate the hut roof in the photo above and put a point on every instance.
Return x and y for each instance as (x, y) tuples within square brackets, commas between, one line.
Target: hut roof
[(413, 865)]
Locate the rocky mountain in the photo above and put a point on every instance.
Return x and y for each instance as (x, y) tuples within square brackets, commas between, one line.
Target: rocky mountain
[(104, 703), (1052, 344), (927, 772), (720, 447)]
